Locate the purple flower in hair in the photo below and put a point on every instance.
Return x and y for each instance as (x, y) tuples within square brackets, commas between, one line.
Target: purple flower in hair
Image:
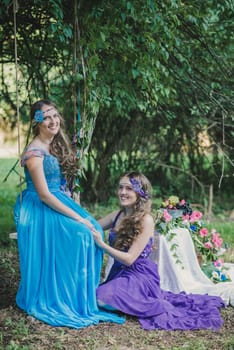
[(137, 187), (39, 116)]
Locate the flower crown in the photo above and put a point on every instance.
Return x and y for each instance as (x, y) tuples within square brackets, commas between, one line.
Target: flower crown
[(39, 116), (137, 187)]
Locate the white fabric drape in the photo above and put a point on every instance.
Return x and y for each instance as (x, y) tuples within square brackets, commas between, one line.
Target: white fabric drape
[(187, 275)]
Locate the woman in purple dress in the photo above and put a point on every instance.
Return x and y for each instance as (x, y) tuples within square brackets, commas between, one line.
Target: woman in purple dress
[(133, 284)]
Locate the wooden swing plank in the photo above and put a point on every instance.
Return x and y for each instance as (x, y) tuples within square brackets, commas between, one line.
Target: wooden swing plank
[(13, 235)]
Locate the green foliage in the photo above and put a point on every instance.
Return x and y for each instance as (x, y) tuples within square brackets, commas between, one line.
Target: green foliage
[(152, 81), (159, 86), (8, 193)]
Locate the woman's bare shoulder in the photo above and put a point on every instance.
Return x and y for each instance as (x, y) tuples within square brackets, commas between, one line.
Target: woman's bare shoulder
[(148, 219)]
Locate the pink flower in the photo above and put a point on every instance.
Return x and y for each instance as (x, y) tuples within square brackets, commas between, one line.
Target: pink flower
[(216, 240), (218, 263), (185, 217), (195, 216), (167, 216), (203, 232), (182, 202), (208, 245)]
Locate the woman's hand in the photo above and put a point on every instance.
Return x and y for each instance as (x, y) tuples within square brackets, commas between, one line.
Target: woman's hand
[(98, 238), (87, 223)]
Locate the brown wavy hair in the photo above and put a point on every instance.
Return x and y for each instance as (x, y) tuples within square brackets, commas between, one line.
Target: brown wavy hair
[(131, 226), (61, 146)]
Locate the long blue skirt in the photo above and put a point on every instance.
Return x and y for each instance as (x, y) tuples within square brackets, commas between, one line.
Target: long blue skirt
[(60, 264)]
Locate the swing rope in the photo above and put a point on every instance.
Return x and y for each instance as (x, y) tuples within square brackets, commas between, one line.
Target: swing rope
[(77, 121), (15, 10)]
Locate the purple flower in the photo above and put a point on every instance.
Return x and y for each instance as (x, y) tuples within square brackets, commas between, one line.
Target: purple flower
[(39, 116), (137, 187)]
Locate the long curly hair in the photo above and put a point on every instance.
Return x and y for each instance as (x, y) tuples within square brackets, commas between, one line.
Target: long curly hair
[(61, 146), (131, 226)]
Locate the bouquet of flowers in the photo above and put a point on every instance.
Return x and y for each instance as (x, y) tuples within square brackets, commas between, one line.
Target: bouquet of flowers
[(164, 224), (174, 203), (170, 215), (208, 243)]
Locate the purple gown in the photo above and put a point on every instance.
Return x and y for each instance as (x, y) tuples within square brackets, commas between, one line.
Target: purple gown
[(135, 290)]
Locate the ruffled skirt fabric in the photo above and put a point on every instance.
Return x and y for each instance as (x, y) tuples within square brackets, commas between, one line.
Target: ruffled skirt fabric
[(136, 291), (59, 263)]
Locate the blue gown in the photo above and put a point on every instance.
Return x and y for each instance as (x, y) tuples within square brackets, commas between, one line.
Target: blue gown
[(60, 264)]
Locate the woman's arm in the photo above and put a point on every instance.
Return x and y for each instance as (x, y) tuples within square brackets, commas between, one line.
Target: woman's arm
[(35, 168), (138, 245), (108, 220)]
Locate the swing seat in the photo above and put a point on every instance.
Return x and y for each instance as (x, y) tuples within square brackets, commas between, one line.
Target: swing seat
[(13, 235)]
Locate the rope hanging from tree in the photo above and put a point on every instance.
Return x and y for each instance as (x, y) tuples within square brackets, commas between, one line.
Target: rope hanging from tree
[(74, 185), (15, 10)]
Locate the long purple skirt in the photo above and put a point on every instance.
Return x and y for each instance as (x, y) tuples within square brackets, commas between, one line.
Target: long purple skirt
[(135, 290)]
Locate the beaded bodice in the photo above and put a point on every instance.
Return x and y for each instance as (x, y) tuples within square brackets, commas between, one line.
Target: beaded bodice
[(51, 168)]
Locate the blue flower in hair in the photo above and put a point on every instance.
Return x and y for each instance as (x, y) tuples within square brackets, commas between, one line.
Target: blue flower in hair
[(39, 116)]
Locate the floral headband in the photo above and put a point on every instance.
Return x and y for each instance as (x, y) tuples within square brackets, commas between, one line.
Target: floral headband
[(38, 116), (137, 187)]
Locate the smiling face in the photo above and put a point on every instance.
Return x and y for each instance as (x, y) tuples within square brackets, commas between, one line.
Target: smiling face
[(51, 122), (126, 194)]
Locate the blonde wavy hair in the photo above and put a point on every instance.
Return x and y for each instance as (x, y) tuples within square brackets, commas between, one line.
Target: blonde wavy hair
[(132, 225), (61, 146)]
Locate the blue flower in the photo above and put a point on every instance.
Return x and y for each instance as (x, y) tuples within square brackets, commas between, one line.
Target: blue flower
[(193, 228), (223, 277), (39, 116)]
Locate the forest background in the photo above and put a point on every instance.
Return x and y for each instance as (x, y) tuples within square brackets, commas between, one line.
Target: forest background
[(143, 85)]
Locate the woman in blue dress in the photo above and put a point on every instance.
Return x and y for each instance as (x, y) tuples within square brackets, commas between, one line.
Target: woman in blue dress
[(59, 261), (133, 283)]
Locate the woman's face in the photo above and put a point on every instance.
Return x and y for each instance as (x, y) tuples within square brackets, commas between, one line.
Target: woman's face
[(127, 196), (51, 123)]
